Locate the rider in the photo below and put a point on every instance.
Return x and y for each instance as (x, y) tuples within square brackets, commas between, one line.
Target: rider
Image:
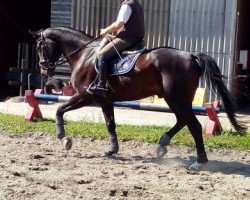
[(130, 30)]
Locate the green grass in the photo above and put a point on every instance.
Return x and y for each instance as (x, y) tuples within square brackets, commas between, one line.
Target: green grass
[(17, 125)]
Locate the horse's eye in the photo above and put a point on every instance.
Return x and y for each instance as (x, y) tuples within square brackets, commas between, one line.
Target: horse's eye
[(51, 65)]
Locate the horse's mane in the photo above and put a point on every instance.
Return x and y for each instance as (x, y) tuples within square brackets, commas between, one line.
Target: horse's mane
[(74, 32), (68, 33)]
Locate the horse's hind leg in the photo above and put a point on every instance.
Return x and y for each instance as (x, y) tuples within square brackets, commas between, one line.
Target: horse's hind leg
[(167, 136), (188, 117), (108, 111), (185, 116), (195, 128)]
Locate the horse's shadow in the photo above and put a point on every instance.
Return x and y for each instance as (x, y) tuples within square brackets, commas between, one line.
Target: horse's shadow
[(215, 166)]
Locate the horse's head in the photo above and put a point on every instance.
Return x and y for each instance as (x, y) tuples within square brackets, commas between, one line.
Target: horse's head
[(47, 51)]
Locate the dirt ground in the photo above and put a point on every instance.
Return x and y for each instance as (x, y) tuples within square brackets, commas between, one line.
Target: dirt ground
[(36, 167)]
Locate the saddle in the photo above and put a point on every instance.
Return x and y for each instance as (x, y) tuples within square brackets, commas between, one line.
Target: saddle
[(119, 66)]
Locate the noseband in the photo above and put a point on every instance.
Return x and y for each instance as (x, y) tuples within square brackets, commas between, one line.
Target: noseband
[(46, 63)]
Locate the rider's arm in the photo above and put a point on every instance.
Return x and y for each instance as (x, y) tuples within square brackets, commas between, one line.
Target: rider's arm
[(123, 17), (112, 28)]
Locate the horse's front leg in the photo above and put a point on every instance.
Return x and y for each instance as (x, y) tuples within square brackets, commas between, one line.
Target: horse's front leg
[(108, 112), (75, 102)]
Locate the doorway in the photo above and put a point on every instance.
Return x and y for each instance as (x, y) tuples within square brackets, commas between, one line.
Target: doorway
[(16, 18)]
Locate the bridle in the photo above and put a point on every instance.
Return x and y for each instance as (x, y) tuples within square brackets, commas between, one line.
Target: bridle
[(46, 54), (46, 63)]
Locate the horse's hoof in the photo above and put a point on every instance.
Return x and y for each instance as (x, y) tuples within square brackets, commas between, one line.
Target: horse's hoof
[(161, 151), (197, 166), (110, 153), (67, 143)]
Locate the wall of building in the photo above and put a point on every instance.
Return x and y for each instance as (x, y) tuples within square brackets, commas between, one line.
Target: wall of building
[(61, 13), (243, 17), (242, 82), (207, 26), (91, 15)]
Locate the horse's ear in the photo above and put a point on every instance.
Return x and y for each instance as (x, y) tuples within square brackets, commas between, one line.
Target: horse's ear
[(34, 34)]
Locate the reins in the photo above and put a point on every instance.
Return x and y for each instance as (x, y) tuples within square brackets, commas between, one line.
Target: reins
[(62, 60), (114, 47)]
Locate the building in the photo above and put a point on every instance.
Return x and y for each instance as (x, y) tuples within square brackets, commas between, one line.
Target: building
[(219, 28)]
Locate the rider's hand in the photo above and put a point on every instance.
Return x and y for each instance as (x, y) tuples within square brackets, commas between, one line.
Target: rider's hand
[(103, 32)]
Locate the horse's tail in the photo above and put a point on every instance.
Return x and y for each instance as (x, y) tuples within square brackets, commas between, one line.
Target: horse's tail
[(214, 78)]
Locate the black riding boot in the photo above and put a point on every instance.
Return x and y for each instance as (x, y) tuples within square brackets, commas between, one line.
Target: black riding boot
[(100, 88)]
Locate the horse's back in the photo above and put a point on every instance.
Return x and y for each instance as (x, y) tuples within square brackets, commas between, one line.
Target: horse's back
[(155, 70), (171, 61)]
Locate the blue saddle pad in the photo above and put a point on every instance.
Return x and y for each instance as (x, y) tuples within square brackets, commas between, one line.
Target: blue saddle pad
[(119, 66)]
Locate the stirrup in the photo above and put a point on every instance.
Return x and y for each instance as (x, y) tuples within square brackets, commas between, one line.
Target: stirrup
[(100, 91), (91, 87), (95, 89)]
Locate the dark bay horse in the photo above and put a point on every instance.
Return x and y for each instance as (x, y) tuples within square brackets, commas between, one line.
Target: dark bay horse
[(169, 73)]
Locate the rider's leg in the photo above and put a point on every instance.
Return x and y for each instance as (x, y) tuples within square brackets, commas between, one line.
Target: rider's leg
[(100, 88), (105, 41), (103, 56)]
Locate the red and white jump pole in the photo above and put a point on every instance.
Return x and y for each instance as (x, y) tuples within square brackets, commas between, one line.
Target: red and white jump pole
[(34, 111)]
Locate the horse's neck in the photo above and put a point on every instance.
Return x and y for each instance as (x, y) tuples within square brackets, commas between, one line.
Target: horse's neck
[(73, 46), (66, 41), (81, 56)]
